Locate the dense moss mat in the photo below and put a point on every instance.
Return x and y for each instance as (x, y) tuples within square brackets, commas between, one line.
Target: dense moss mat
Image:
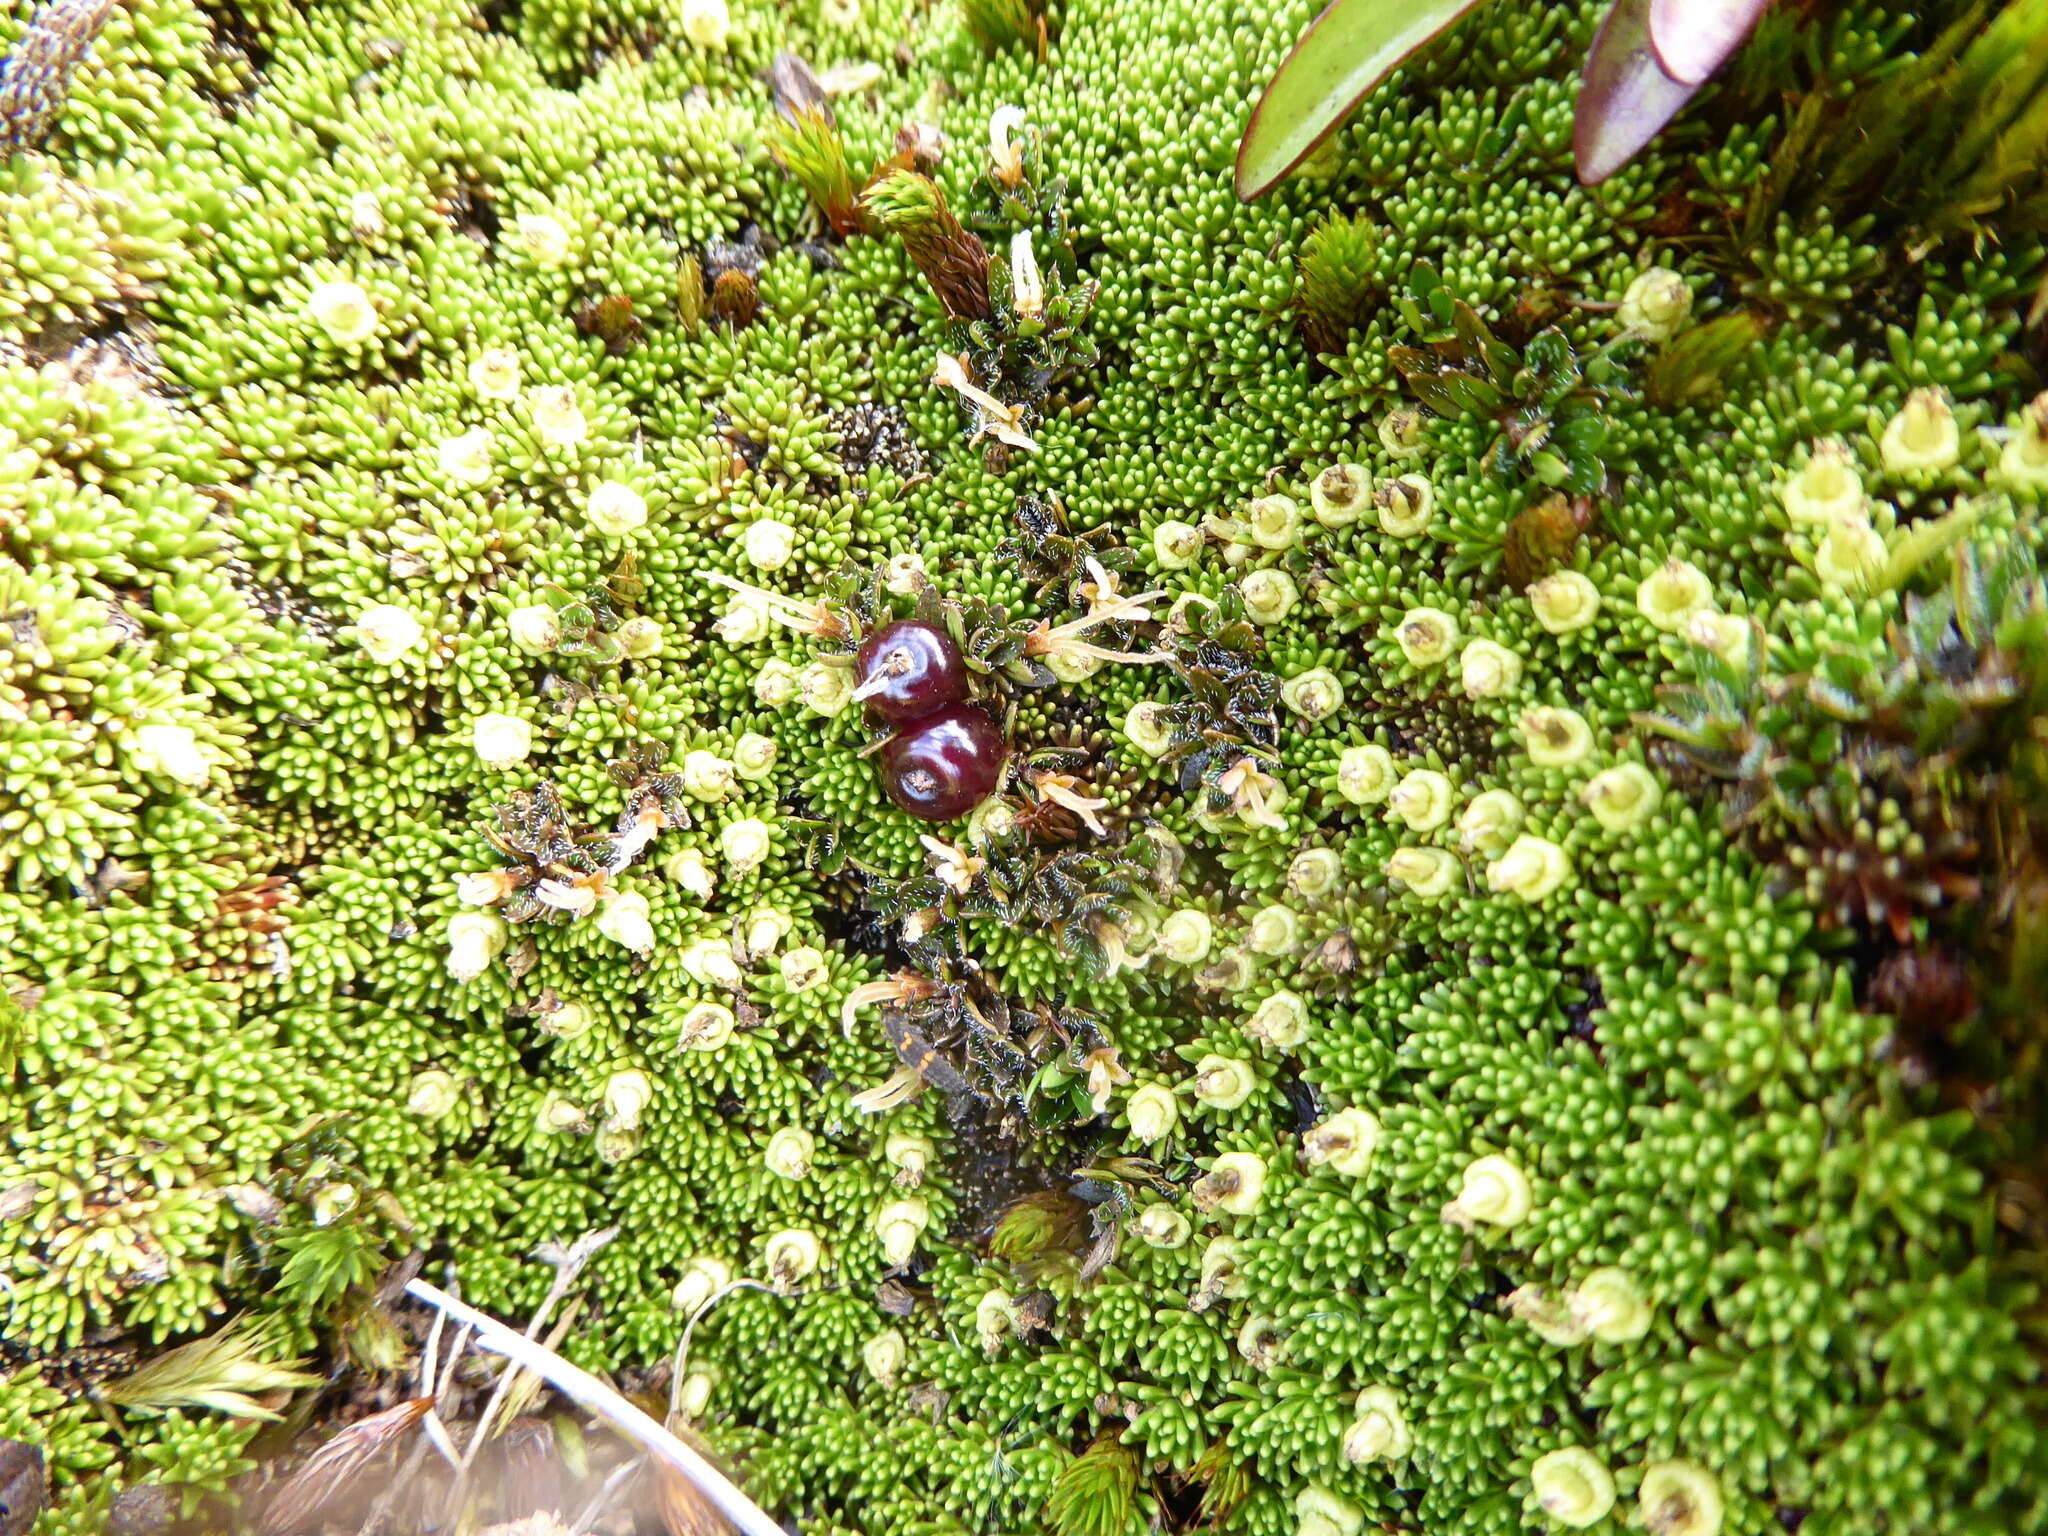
[(1523, 1075)]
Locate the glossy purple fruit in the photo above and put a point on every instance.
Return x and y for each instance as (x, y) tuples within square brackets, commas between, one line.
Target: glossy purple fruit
[(908, 669), (942, 765)]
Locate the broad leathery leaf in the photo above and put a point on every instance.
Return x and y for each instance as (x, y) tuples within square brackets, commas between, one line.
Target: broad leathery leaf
[(1624, 95), (1347, 51), (1693, 38)]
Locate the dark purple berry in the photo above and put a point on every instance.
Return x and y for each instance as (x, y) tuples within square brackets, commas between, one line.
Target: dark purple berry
[(908, 669), (942, 765)]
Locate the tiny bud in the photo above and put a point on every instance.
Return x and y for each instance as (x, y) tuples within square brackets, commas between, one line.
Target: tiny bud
[(625, 919), (1427, 637), (1850, 554), (1489, 823), (1923, 438), (706, 1027), (501, 741), (1223, 1082), (825, 689), (1146, 728), (766, 928), (557, 419), (1401, 433), (1677, 1498), (571, 1021), (753, 756), (387, 632), (1176, 545), (433, 1094), (703, 1278), (898, 1226), (1235, 1184), (615, 509), (686, 868), (1153, 1112), (1314, 695), (745, 622), (1365, 775), (1281, 1021), (1555, 738), (1427, 872), (626, 1097), (710, 960), (1824, 488), (745, 844), (1492, 1190), (804, 968), (1274, 930), (1185, 936), (534, 628), (1532, 868), (475, 939), (1670, 595), (343, 312), (1406, 506), (639, 637), (1319, 1512), (1314, 873), (995, 1319), (1725, 634), (1489, 670), (1269, 596), (884, 1356), (172, 751), (707, 23), (617, 1143), (768, 543), (1422, 800), (495, 374), (910, 1156), (1573, 1486), (1160, 1226), (1274, 522), (904, 575), (789, 1151), (1610, 1306), (1565, 602), (694, 1395), (466, 457), (331, 1202), (1656, 304), (1344, 1143), (559, 1115), (706, 776), (776, 683), (543, 239), (1380, 1432), (1339, 494), (791, 1256), (1623, 798)]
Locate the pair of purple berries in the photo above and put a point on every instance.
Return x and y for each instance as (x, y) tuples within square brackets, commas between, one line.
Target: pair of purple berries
[(946, 756)]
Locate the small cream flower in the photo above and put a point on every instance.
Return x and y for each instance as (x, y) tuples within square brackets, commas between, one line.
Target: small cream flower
[(344, 313), (1924, 437), (558, 420), (1532, 868), (170, 750), (1223, 1082), (1573, 1486), (543, 238), (627, 920), (466, 457), (1153, 1112), (1366, 775), (494, 374), (707, 23), (387, 632), (615, 509), (1344, 1143), (1427, 636), (1565, 602), (768, 543), (1656, 305), (1492, 1190), (1670, 595), (501, 741)]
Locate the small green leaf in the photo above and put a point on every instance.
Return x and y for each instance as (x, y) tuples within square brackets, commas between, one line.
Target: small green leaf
[(1346, 52)]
